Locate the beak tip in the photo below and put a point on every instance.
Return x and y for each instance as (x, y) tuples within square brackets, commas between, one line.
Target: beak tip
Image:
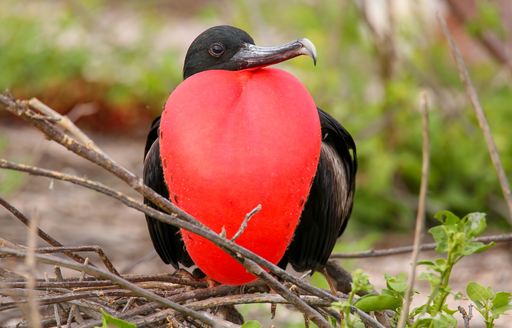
[(308, 49)]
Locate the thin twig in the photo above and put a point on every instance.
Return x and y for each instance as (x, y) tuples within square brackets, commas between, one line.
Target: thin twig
[(73, 310), (482, 120), (244, 224), (43, 235), (420, 216), (98, 284), (98, 250), (55, 306), (116, 279), (65, 123), (253, 298), (502, 238), (34, 317), (285, 292), (161, 277), (60, 298), (128, 304), (465, 316)]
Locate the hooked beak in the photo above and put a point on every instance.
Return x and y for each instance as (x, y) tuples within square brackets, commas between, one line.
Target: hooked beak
[(252, 56)]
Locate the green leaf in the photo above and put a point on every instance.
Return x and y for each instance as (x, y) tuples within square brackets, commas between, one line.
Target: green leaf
[(252, 324), (501, 303), (433, 279), (478, 293), (440, 235), (476, 247), (446, 217), (475, 224), (381, 302), (109, 321), (426, 262), (355, 322), (360, 282), (397, 283), (443, 320)]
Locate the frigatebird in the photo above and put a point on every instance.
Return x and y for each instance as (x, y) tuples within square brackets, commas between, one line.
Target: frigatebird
[(327, 209)]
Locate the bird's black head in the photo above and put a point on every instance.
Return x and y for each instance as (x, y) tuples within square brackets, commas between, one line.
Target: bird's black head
[(229, 48)]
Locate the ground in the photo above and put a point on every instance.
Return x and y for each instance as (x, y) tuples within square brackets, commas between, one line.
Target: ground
[(76, 216)]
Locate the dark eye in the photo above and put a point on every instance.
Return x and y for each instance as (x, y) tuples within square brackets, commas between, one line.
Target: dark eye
[(216, 49)]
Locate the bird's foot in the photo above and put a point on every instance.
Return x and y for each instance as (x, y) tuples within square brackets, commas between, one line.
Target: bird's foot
[(210, 282), (184, 274), (337, 278)]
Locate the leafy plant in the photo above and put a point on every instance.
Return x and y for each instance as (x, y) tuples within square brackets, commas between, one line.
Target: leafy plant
[(455, 238), (391, 297), (490, 304), (360, 283)]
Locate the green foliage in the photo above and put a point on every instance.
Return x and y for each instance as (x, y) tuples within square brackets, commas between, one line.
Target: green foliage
[(391, 297), (455, 239), (109, 321), (380, 302), (360, 283), (490, 304)]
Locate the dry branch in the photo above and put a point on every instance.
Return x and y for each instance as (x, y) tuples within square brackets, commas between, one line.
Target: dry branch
[(118, 280), (89, 283), (286, 293), (502, 238), (43, 235), (244, 224), (482, 120), (65, 123), (98, 250), (465, 315), (420, 217), (34, 317)]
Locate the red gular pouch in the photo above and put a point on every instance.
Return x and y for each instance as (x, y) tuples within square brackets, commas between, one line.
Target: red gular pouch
[(230, 140)]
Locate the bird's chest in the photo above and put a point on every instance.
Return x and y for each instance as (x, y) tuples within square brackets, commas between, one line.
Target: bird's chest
[(233, 140)]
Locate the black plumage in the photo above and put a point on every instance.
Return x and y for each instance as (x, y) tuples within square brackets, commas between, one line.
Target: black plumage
[(330, 199), (329, 204), (166, 238)]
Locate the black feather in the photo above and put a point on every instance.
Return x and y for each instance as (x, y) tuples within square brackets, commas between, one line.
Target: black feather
[(330, 200), (166, 238)]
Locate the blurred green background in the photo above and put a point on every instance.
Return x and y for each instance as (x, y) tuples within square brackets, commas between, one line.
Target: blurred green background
[(122, 58)]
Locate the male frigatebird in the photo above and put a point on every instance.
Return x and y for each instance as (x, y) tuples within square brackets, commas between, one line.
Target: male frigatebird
[(232, 127)]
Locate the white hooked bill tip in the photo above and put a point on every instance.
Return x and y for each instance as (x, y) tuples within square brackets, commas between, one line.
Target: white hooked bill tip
[(308, 48)]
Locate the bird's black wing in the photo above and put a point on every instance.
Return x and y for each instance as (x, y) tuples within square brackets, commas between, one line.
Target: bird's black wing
[(329, 204), (166, 238)]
